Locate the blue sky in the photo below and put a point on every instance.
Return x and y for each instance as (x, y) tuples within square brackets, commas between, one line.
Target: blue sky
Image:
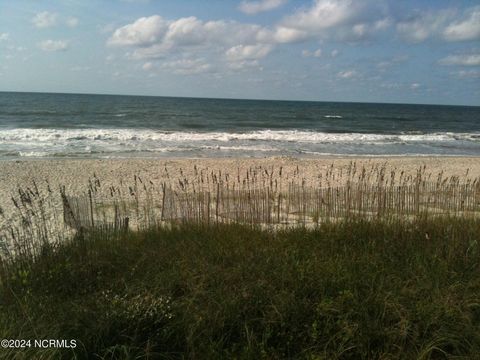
[(327, 50)]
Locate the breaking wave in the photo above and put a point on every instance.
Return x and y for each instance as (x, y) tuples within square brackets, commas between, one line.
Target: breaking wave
[(29, 142)]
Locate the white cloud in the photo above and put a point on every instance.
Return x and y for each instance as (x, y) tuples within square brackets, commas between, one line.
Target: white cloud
[(422, 26), (255, 7), (334, 53), (365, 30), (415, 86), (341, 19), (347, 74), (4, 36), (155, 37), (322, 15), (187, 66), (191, 31), (360, 29), (284, 35), (45, 19), (465, 29), (464, 60), (443, 24), (248, 52), (143, 32), (72, 22), (53, 45)]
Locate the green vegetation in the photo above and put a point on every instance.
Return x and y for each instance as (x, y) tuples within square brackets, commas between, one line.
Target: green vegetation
[(350, 289)]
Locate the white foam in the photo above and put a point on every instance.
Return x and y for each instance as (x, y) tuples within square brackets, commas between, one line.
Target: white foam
[(240, 148), (138, 135), (33, 153), (101, 142)]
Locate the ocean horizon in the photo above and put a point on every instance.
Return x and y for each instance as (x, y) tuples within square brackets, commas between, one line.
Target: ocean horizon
[(55, 125)]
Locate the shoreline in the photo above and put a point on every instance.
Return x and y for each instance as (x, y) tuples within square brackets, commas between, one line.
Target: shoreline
[(253, 158)]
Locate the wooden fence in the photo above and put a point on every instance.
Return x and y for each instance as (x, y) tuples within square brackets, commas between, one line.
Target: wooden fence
[(297, 205)]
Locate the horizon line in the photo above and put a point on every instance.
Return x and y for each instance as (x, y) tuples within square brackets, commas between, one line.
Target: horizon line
[(227, 98)]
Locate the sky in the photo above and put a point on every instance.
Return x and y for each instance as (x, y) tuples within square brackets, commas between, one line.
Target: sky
[(423, 51)]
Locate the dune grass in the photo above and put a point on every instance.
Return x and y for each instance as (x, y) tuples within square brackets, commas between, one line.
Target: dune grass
[(356, 289)]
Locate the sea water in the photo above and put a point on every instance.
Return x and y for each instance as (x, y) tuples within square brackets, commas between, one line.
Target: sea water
[(38, 125)]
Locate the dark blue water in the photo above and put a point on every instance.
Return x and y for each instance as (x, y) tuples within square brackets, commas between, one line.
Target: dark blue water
[(65, 125)]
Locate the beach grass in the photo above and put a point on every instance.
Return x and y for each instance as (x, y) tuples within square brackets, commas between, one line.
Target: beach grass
[(362, 265), (351, 289)]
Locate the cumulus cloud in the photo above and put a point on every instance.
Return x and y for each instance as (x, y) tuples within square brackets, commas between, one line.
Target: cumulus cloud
[(45, 19), (365, 30), (4, 36), (467, 28), (445, 24), (464, 60), (284, 35), (341, 19), (323, 14), (143, 32), (255, 7), (243, 45), (248, 52), (155, 37), (53, 45), (420, 26)]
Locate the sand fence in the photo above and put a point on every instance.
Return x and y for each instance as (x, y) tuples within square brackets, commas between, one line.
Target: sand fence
[(296, 205), (260, 196)]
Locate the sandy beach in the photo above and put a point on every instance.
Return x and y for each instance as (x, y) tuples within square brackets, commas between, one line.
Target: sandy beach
[(75, 174)]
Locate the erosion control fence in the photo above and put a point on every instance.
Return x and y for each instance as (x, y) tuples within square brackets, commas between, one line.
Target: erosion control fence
[(298, 205)]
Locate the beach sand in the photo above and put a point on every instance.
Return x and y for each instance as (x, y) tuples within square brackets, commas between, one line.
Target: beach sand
[(75, 174)]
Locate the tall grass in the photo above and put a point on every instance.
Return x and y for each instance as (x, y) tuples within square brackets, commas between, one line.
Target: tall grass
[(363, 289), (264, 196), (357, 264)]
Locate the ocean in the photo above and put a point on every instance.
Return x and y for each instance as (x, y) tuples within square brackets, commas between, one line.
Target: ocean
[(40, 125)]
